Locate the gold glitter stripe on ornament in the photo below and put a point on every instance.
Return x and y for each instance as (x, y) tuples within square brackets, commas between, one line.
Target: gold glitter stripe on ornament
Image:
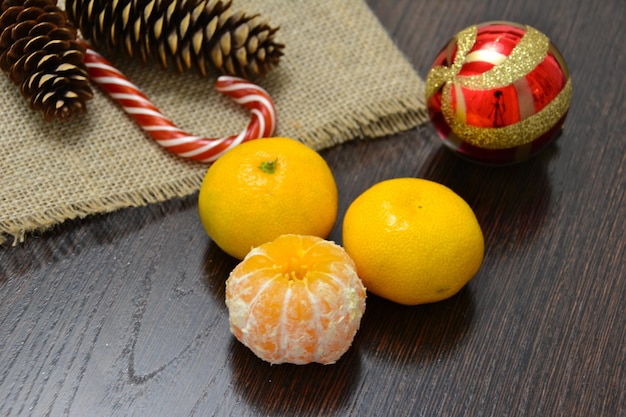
[(513, 135), (529, 52), (440, 75)]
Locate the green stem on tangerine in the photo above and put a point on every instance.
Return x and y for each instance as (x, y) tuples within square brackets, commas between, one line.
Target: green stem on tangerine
[(268, 167)]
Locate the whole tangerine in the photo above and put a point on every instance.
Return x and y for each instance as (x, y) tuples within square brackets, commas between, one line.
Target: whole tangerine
[(413, 241), (263, 189)]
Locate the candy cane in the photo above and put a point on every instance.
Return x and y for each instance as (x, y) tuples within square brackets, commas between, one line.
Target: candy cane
[(139, 107)]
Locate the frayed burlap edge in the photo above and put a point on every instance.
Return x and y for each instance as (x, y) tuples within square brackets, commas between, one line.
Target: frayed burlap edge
[(18, 229), (376, 123)]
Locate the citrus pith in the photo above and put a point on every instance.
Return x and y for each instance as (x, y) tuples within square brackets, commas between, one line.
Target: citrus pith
[(296, 300), (414, 241)]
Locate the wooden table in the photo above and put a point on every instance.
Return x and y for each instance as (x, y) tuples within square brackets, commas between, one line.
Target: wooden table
[(124, 314)]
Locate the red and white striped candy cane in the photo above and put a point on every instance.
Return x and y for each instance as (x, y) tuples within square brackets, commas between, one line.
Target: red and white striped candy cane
[(138, 106)]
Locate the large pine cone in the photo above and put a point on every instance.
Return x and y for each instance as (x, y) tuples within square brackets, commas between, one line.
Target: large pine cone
[(39, 51), (184, 33)]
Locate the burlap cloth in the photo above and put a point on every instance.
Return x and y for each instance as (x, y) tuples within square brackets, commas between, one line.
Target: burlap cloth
[(341, 78)]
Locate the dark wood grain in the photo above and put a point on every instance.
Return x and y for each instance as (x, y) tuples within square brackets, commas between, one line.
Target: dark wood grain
[(124, 314)]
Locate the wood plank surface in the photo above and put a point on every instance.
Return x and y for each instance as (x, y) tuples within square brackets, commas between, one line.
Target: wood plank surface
[(123, 314)]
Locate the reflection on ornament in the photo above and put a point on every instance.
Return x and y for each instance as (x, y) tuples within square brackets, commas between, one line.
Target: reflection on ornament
[(498, 92)]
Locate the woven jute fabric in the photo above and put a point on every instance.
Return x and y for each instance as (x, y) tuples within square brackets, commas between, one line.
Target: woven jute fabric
[(341, 78)]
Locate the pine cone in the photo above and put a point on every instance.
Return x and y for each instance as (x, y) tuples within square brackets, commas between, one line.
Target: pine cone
[(39, 51), (184, 33)]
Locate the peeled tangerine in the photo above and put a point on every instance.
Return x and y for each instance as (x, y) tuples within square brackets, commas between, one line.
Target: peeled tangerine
[(296, 300)]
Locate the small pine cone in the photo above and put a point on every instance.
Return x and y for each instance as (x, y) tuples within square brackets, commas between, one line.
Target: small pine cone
[(39, 51), (182, 33)]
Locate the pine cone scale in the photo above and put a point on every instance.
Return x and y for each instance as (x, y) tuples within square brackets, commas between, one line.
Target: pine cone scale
[(216, 56), (225, 43), (196, 41), (172, 42), (10, 16), (211, 28), (252, 45), (241, 35)]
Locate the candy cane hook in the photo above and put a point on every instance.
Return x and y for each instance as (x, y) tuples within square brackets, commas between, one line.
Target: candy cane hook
[(139, 107)]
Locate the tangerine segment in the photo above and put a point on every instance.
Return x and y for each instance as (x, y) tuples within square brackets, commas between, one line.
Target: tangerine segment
[(296, 300)]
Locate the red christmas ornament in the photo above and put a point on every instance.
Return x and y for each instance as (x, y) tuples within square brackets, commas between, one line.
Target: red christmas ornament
[(498, 92)]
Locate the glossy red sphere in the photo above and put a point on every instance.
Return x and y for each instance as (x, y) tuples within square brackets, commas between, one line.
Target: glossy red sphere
[(498, 92)]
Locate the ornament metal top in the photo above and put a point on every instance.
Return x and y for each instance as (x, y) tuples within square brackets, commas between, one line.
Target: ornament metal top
[(498, 93)]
